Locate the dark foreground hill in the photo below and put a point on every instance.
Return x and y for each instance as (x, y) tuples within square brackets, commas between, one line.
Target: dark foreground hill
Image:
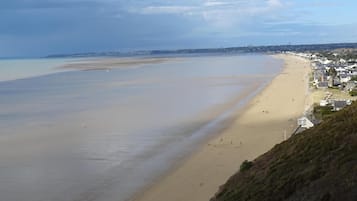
[(319, 164)]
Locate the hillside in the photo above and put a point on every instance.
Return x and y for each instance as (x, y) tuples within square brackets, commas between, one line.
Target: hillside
[(319, 164)]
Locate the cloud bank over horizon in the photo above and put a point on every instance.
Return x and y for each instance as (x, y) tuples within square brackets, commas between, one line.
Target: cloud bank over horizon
[(41, 27)]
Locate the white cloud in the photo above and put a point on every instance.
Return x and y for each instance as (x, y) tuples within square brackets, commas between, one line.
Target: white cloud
[(220, 13), (234, 13), (216, 3), (165, 10)]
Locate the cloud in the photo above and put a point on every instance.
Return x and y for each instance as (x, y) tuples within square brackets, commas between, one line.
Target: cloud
[(53, 26), (216, 3), (220, 13), (165, 10), (231, 14)]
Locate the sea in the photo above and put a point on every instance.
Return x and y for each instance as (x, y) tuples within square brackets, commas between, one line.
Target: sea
[(105, 135)]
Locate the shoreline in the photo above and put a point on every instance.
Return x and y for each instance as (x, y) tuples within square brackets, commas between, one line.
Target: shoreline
[(262, 123)]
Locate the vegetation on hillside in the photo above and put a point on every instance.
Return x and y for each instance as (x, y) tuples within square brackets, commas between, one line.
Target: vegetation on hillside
[(336, 54), (353, 92), (319, 164), (322, 112)]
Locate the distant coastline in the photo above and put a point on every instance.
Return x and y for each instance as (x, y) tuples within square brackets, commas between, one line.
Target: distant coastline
[(227, 50)]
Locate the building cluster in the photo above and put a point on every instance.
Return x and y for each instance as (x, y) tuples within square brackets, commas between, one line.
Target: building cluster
[(327, 73), (338, 73), (334, 74)]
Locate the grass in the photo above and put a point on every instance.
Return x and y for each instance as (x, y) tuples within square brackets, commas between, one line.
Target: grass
[(336, 94), (353, 92), (322, 112)]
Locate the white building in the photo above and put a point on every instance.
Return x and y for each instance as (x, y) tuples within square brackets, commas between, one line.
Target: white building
[(340, 70), (304, 122), (324, 103), (345, 78)]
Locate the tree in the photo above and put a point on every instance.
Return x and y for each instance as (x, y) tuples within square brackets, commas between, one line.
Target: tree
[(333, 73)]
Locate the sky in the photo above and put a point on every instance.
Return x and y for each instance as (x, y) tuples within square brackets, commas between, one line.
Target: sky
[(43, 27)]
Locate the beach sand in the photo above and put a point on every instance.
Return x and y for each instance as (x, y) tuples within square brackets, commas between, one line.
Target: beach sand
[(267, 120)]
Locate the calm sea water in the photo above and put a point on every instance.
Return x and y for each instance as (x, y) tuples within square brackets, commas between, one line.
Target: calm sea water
[(103, 136)]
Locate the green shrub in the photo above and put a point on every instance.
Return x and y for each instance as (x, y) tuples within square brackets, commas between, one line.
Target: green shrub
[(353, 92), (246, 165)]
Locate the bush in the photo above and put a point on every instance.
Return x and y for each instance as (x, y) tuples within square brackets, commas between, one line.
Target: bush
[(353, 92), (354, 78), (246, 165)]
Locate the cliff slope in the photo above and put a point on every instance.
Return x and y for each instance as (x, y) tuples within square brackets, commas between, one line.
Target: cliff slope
[(319, 164)]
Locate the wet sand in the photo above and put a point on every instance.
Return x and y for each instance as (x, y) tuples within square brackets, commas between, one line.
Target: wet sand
[(267, 120), (112, 63)]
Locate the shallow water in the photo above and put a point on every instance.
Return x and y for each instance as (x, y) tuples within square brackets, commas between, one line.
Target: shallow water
[(102, 136), (12, 69)]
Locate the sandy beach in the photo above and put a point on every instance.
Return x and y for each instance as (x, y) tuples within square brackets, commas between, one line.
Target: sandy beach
[(267, 120)]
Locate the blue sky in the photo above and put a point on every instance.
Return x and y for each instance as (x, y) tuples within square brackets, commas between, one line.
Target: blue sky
[(41, 27)]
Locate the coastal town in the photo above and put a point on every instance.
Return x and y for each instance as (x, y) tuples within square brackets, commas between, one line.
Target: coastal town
[(333, 83)]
